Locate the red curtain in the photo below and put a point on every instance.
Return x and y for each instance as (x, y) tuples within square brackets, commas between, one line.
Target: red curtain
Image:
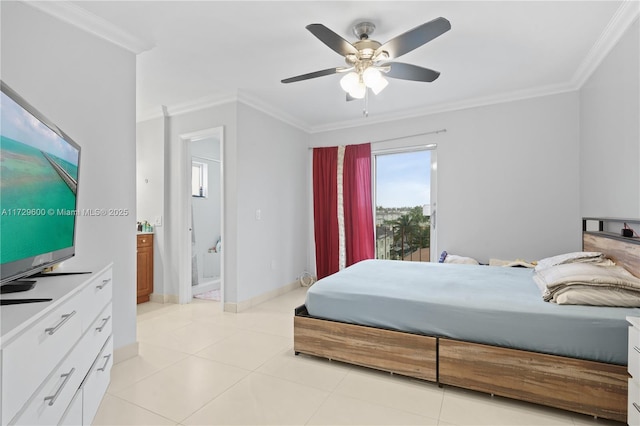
[(325, 209), (358, 209)]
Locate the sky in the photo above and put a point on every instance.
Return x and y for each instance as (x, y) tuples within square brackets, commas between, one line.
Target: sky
[(20, 125), (404, 179)]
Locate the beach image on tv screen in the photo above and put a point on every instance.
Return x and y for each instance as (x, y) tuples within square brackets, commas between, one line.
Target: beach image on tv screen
[(38, 185)]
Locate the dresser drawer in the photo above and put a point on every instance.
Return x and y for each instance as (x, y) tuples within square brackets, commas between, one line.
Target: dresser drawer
[(97, 382), (99, 331), (51, 401), (95, 297), (145, 240), (24, 364), (73, 415), (634, 352), (633, 409)]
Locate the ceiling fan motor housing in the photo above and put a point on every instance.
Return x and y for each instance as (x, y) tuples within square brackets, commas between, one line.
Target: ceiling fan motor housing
[(363, 30)]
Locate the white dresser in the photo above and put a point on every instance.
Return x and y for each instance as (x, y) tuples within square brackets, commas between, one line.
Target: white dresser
[(633, 400), (56, 357)]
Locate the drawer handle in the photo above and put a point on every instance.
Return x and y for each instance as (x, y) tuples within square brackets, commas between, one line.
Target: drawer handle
[(636, 406), (106, 320), (104, 283), (637, 349), (106, 361), (52, 398), (65, 318)]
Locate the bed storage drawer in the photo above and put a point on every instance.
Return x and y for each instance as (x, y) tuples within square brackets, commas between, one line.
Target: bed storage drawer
[(401, 353), (588, 387)]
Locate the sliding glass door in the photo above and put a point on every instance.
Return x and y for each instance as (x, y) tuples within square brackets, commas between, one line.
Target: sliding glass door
[(404, 204)]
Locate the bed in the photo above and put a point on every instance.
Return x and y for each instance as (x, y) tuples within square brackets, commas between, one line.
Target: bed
[(474, 335)]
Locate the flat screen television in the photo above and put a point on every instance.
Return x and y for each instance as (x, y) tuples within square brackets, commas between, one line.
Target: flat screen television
[(39, 169)]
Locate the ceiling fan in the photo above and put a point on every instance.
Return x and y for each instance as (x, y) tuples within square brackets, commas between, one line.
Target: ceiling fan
[(367, 60)]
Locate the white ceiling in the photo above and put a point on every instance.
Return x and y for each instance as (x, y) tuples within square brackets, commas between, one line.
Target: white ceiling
[(204, 52)]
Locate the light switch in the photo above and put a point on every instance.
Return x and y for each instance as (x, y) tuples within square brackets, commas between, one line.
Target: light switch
[(258, 214)]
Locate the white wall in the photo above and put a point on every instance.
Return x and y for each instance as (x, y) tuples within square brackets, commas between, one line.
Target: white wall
[(150, 185), (264, 168), (87, 87), (272, 176), (208, 118), (610, 133), (507, 175)]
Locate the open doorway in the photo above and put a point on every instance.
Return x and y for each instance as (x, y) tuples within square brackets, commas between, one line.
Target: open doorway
[(206, 224), (202, 265)]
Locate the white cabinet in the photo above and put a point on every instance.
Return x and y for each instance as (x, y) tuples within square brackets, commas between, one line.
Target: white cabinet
[(56, 357), (633, 400)]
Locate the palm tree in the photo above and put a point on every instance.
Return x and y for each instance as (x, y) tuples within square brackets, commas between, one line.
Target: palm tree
[(403, 228)]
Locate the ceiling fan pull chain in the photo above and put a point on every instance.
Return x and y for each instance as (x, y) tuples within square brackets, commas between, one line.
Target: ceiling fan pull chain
[(365, 111)]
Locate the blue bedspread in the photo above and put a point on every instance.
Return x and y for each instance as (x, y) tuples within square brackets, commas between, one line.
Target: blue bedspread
[(484, 304)]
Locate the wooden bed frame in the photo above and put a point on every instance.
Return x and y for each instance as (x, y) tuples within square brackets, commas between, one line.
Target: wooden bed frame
[(582, 386)]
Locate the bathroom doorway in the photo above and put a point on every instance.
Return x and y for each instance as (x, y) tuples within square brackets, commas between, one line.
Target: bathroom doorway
[(206, 224), (202, 217)]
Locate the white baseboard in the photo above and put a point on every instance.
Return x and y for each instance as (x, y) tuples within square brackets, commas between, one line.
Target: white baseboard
[(124, 353), (246, 304), (163, 298)]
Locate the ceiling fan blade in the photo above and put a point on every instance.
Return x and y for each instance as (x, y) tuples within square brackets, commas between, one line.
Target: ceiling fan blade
[(414, 38), (331, 39), (310, 75), (410, 72)]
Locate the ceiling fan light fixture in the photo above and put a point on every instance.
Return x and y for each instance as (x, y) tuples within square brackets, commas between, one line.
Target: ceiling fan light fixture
[(373, 79), (379, 85), (349, 82), (358, 91), (371, 76)]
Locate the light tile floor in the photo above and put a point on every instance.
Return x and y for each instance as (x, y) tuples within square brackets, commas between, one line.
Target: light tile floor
[(200, 366)]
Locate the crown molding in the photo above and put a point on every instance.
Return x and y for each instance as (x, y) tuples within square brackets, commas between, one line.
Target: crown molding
[(270, 110), (514, 96), (201, 103), (87, 21), (626, 14), (185, 107), (152, 114)]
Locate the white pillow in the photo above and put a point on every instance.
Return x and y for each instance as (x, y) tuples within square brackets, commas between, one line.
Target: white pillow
[(576, 276), (575, 257), (454, 258)]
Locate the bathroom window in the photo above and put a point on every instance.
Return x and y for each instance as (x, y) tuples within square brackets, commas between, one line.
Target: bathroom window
[(199, 179)]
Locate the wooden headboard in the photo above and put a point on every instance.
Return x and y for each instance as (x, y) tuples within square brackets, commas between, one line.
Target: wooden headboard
[(623, 251)]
